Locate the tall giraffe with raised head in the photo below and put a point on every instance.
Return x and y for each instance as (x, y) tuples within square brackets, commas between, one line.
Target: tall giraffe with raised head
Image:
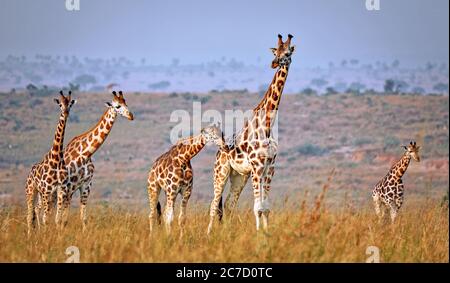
[(50, 175), (172, 172), (253, 150), (388, 193), (78, 153)]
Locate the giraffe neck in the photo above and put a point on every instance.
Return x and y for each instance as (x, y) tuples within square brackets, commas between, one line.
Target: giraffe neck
[(400, 167), (268, 107), (56, 152), (189, 147), (93, 139)]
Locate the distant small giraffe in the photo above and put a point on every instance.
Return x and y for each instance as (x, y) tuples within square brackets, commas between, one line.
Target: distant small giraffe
[(253, 150), (49, 175), (389, 191), (78, 153), (173, 173)]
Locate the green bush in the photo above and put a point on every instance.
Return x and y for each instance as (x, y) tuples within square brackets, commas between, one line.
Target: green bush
[(309, 149), (390, 142)]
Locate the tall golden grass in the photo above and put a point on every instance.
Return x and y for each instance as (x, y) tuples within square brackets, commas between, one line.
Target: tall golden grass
[(298, 233)]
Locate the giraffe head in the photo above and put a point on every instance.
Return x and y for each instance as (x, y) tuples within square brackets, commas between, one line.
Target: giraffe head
[(65, 102), (119, 105), (412, 150), (213, 133), (283, 52)]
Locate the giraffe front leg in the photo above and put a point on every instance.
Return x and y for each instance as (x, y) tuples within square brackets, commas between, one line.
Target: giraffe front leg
[(258, 194), (182, 216), (153, 191), (221, 173), (31, 213), (46, 207), (37, 210), (393, 212), (377, 204), (61, 203), (169, 208), (266, 189), (84, 195)]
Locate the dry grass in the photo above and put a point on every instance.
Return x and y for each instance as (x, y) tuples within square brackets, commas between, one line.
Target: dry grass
[(298, 233)]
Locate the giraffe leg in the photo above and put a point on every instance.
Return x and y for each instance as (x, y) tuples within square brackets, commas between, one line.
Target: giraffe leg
[(393, 211), (377, 204), (266, 189), (237, 183), (221, 173), (37, 210), (46, 206), (84, 195), (31, 213), (258, 193), (169, 208), (182, 216), (61, 205), (153, 191)]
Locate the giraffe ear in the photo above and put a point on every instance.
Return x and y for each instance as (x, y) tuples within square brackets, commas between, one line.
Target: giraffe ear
[(108, 104), (292, 48), (72, 102), (274, 51), (404, 147), (56, 100)]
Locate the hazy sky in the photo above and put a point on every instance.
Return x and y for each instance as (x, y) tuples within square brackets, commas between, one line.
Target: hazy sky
[(413, 31)]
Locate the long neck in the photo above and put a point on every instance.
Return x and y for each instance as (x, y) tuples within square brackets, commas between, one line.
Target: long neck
[(92, 140), (399, 168), (268, 107), (189, 147), (56, 152)]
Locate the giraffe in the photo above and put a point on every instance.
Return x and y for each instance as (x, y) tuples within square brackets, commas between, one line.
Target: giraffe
[(173, 173), (252, 151), (49, 175), (389, 191), (77, 157)]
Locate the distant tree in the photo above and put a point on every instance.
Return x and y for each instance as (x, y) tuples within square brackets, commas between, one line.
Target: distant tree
[(395, 64), (401, 86), (418, 90), (441, 87), (389, 86), (85, 80), (309, 91), (330, 91), (319, 82)]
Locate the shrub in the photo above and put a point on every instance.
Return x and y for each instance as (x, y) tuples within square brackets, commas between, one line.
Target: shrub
[(309, 149), (390, 142)]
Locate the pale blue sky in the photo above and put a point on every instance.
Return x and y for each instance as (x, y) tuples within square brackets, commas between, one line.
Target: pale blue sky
[(413, 31)]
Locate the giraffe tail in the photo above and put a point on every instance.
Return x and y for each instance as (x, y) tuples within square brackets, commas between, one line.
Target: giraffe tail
[(158, 210), (220, 210)]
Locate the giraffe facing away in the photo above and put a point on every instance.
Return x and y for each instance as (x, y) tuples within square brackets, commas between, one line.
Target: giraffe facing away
[(253, 150), (388, 193), (173, 173), (78, 153), (50, 175)]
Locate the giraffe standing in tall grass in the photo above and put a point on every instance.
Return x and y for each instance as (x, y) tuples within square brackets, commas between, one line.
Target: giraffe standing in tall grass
[(173, 173), (253, 150), (50, 175), (388, 193), (78, 154)]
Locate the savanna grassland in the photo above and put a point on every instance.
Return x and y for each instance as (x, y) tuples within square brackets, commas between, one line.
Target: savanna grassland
[(314, 219)]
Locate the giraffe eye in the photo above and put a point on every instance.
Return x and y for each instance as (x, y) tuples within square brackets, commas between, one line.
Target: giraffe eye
[(118, 106)]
